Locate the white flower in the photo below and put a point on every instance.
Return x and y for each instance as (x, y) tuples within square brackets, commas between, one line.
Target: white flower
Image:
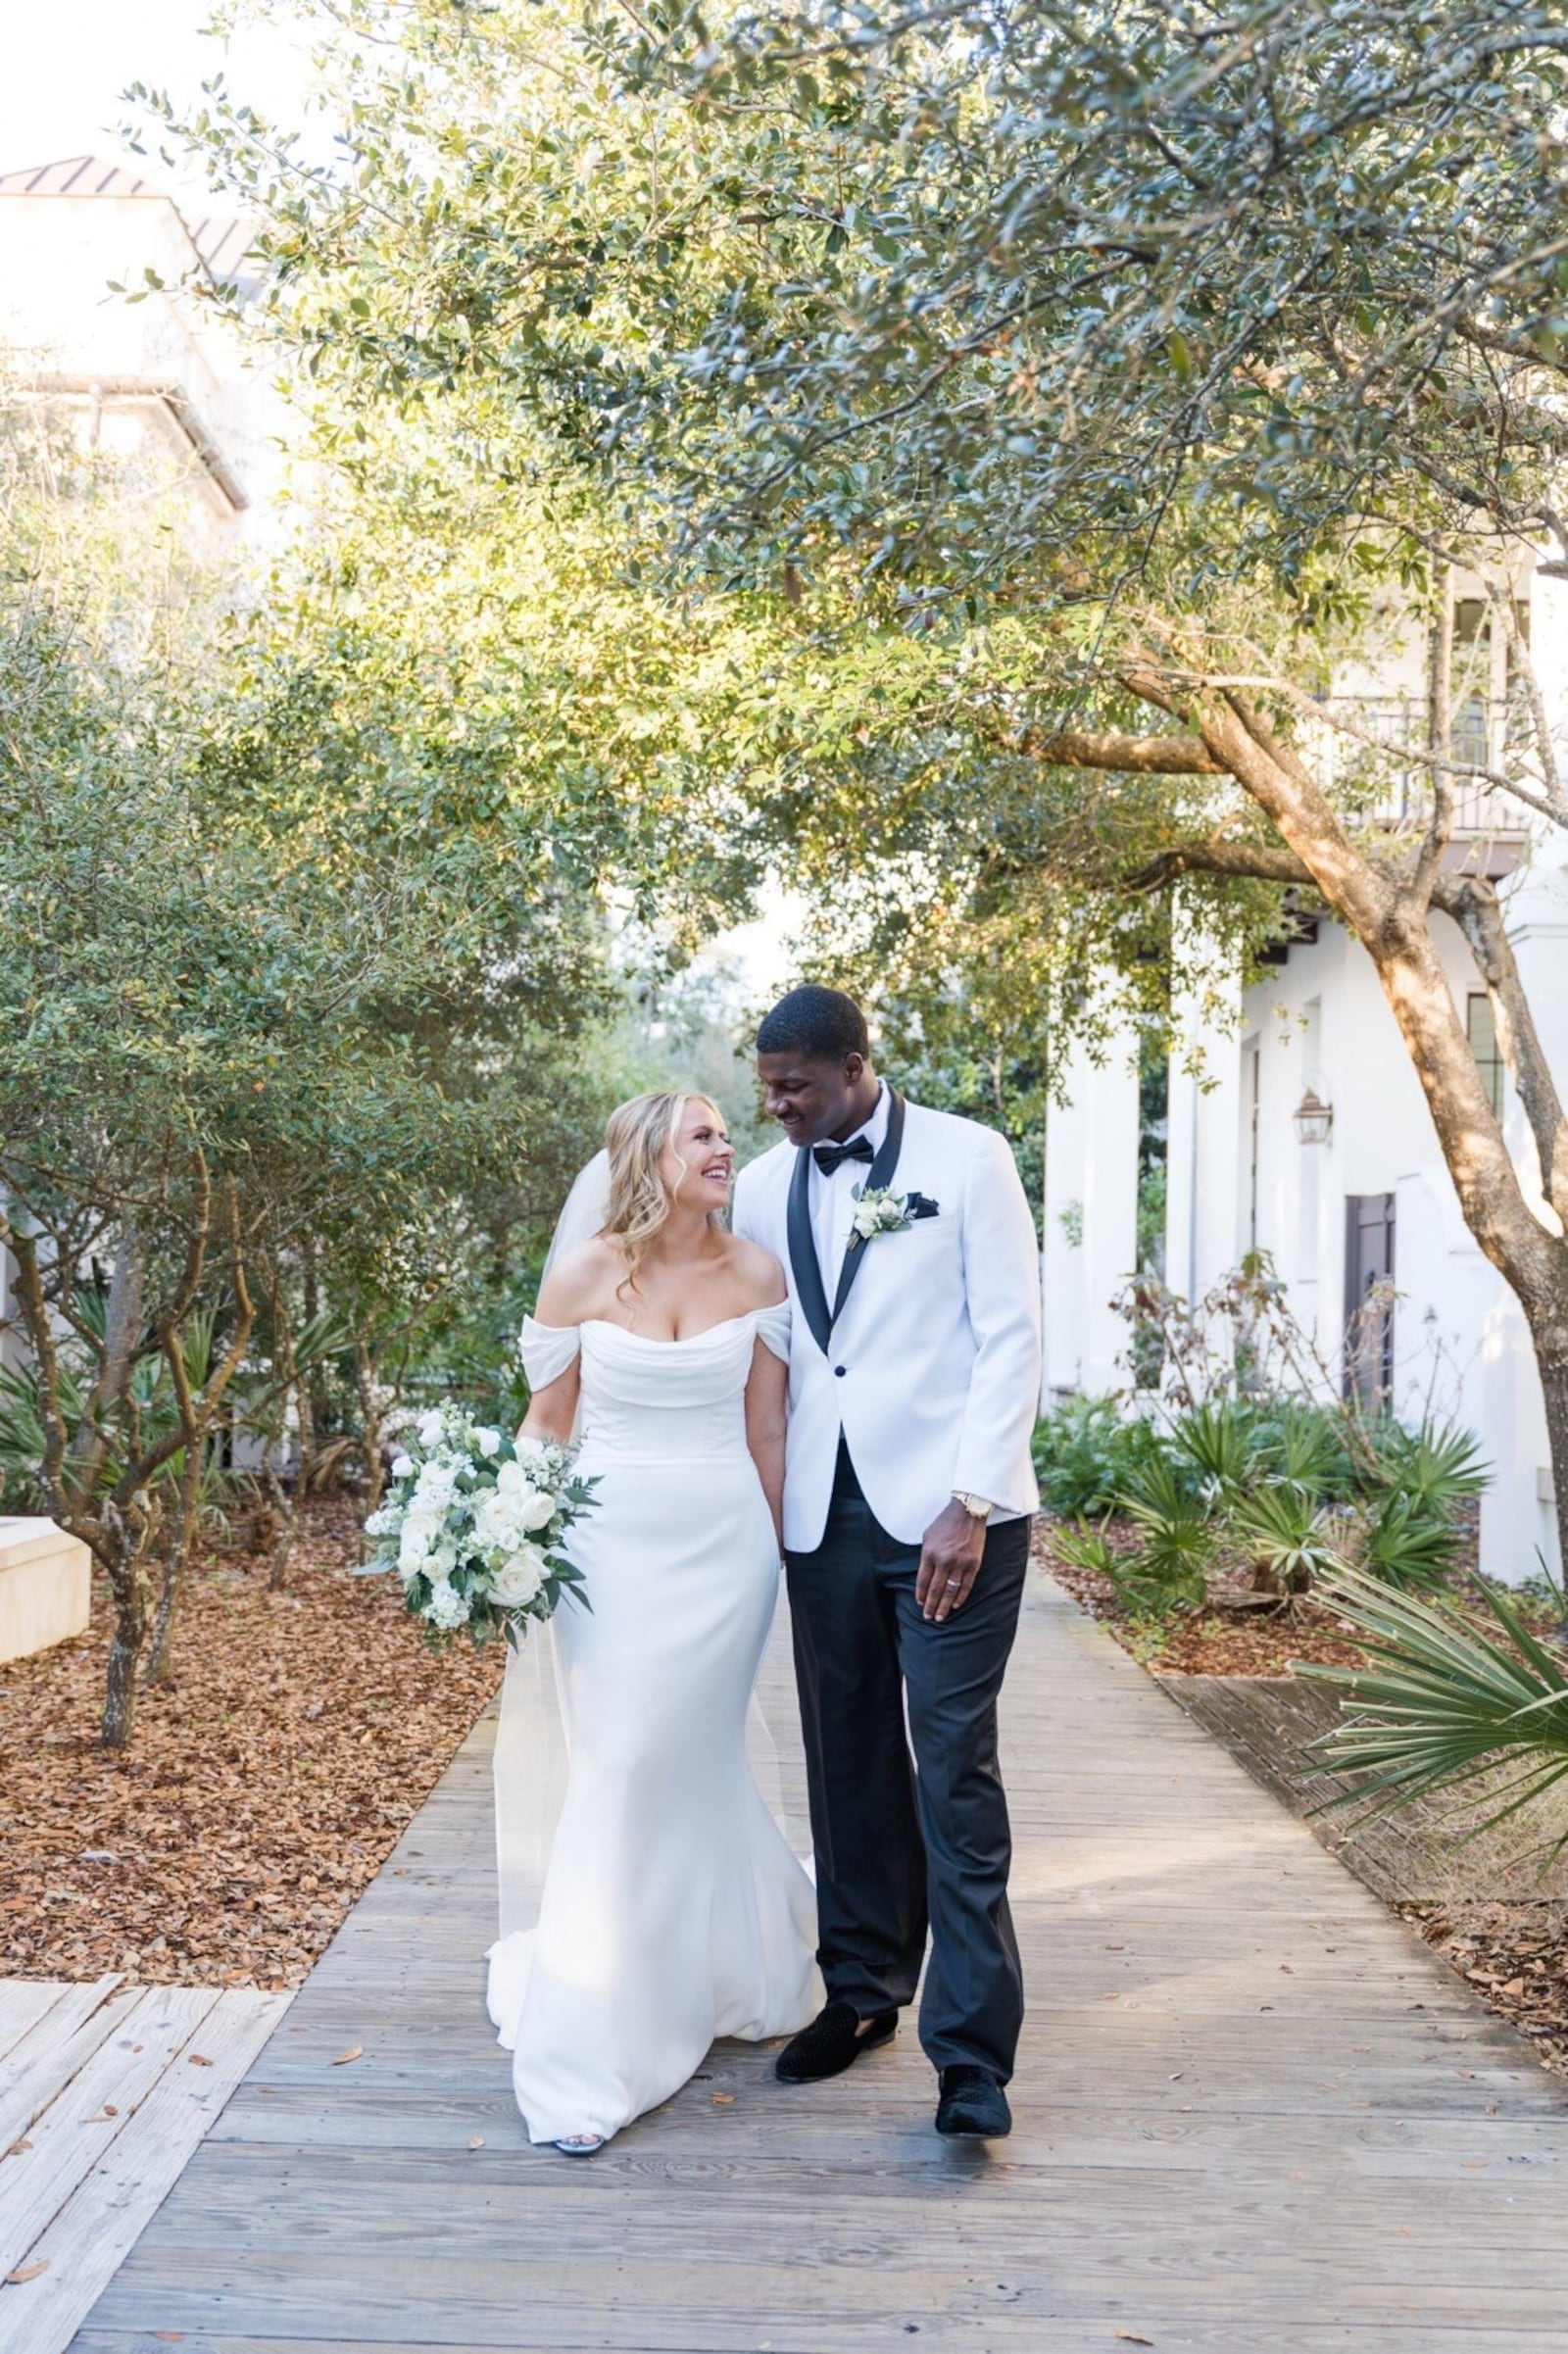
[(385, 1523), (429, 1426), (487, 1440), (529, 1505), (446, 1609), (877, 1210), (516, 1583), (401, 1466), (533, 1451)]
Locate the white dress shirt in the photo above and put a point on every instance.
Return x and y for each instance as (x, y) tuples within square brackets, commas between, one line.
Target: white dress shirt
[(833, 1196)]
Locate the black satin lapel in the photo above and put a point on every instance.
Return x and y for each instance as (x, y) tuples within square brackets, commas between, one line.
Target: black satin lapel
[(802, 1253), (880, 1173)]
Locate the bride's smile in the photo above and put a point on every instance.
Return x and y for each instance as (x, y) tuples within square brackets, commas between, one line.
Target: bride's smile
[(699, 1153)]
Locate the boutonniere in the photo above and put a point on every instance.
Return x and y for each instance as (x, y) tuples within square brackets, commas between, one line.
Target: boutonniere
[(880, 1211)]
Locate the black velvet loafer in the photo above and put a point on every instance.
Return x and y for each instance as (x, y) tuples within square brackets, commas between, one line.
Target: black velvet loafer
[(972, 2103), (831, 2043)]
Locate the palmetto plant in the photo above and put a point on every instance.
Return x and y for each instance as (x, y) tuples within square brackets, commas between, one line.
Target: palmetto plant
[(1407, 1544), (1305, 1445), (1441, 1703), (1177, 1535), (1293, 1541), (1439, 1466), (1218, 1438)]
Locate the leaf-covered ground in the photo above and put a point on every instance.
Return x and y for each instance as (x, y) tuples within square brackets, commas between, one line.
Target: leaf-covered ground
[(1217, 1641), (1516, 1958), (263, 1787)]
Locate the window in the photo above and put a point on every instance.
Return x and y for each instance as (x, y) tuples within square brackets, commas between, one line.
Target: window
[(1482, 1032)]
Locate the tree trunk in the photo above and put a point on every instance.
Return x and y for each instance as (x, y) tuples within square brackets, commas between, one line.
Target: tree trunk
[(131, 1533), (1549, 1334), (286, 1508), (184, 1535)]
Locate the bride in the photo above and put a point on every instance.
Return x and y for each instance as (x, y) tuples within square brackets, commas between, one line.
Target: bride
[(672, 1909)]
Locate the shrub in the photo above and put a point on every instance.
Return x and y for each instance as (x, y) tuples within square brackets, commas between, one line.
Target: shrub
[(1086, 1451)]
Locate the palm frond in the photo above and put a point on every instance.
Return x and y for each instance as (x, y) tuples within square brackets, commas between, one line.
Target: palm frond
[(1441, 1702)]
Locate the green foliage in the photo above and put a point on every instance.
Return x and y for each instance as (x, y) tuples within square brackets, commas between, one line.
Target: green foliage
[(1218, 1441), (1442, 1702), (1086, 1451), (1438, 1465), (1177, 1534), (1406, 1543), (1291, 1540), (1306, 1443)]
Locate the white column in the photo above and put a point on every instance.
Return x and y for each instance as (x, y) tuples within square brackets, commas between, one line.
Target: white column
[(1091, 1239), (1205, 1134)]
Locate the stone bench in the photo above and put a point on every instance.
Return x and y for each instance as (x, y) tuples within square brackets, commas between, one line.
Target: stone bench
[(45, 1586)]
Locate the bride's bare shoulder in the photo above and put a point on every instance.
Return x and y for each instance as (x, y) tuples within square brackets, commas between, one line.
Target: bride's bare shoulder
[(758, 1274), (578, 1282)]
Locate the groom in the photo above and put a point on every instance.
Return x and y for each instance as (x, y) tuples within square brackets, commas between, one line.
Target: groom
[(914, 1378)]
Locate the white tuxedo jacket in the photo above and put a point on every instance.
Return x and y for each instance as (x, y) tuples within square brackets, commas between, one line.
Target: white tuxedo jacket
[(929, 1359)]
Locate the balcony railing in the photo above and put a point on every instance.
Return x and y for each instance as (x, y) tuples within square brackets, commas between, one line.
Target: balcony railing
[(1400, 791)]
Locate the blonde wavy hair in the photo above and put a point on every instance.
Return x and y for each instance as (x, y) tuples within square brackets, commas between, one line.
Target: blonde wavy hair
[(637, 1136)]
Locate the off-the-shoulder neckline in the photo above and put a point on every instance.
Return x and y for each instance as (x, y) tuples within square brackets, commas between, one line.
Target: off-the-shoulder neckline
[(653, 1340)]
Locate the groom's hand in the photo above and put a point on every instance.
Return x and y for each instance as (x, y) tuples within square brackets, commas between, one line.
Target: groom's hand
[(950, 1561)]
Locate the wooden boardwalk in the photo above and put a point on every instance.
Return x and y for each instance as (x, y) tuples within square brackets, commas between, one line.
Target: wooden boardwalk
[(105, 2091), (1253, 2116)]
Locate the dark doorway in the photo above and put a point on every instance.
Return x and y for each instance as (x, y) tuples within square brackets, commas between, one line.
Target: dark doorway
[(1369, 1297)]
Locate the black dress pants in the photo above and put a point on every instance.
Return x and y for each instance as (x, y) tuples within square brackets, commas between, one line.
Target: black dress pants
[(902, 1842)]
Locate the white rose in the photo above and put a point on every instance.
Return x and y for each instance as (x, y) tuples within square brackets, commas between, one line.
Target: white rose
[(531, 1451), (516, 1583), (529, 1505), (428, 1426), (401, 1466), (487, 1440)]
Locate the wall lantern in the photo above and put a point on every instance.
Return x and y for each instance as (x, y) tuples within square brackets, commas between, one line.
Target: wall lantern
[(1314, 1118)]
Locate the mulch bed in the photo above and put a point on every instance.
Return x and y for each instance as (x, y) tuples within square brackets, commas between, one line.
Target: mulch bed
[(1213, 1641), (1513, 1952), (264, 1786)]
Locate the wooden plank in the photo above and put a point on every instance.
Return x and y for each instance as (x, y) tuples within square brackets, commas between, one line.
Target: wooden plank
[(48, 2056), (1248, 2107), (90, 2238), (23, 2001), (71, 2134), (1202, 2337)]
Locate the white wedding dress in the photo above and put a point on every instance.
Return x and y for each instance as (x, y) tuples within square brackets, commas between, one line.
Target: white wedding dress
[(672, 1909)]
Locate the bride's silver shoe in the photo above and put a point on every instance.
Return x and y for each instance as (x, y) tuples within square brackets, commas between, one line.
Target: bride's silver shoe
[(580, 2145)]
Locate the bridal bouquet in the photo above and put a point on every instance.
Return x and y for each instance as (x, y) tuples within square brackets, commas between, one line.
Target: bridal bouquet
[(472, 1524)]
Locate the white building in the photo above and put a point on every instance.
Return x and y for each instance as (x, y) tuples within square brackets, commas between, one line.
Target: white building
[(164, 375), (164, 378), (1373, 1200)]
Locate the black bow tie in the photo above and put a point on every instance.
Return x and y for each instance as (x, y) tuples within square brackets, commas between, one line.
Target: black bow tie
[(828, 1156)]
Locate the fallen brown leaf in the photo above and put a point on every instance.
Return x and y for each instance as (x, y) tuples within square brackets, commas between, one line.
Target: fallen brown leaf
[(231, 1795), (27, 2272), (723, 2100), (477, 2142), (199, 2059), (1129, 2338), (356, 2051)]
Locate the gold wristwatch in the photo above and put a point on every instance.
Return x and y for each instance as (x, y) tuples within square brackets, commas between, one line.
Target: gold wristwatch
[(979, 1507)]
